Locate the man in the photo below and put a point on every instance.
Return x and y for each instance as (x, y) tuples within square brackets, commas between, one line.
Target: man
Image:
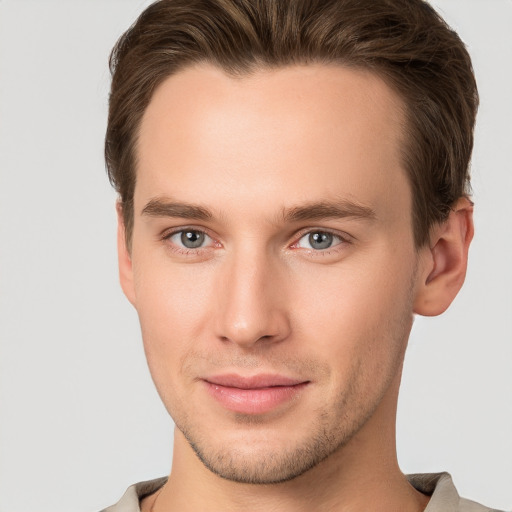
[(293, 188)]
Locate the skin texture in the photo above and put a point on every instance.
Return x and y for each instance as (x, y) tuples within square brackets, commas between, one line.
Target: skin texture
[(258, 164)]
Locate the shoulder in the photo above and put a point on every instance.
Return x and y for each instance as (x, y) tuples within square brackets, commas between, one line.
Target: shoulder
[(134, 494), (443, 494)]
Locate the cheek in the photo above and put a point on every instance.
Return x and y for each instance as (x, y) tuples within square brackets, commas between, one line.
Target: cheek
[(173, 306), (357, 315)]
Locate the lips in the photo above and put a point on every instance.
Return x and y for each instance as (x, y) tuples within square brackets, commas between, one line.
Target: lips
[(257, 394)]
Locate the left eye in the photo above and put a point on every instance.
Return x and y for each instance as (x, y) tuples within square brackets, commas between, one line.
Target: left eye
[(319, 240), (190, 239)]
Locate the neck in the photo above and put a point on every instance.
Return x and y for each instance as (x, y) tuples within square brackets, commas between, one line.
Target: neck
[(363, 475)]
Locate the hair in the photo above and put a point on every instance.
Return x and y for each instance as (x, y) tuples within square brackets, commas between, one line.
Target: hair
[(405, 42)]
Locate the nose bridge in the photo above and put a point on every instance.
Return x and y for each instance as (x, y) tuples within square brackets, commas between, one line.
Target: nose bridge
[(251, 306)]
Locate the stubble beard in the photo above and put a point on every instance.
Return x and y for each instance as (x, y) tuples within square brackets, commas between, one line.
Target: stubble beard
[(333, 429), (329, 433), (267, 466)]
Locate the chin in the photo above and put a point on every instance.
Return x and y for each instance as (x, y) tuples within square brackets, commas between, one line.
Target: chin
[(266, 457)]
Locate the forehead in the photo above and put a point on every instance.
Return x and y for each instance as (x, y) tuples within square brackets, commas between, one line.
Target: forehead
[(300, 133)]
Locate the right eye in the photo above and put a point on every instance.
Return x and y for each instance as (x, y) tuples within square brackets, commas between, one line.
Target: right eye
[(190, 239)]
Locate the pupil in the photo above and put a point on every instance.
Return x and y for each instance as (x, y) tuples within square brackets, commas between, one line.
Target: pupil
[(192, 239), (320, 240)]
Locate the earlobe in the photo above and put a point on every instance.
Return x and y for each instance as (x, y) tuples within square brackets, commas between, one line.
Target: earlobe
[(445, 264), (124, 258)]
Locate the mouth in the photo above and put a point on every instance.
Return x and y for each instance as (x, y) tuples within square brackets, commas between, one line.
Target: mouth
[(253, 395)]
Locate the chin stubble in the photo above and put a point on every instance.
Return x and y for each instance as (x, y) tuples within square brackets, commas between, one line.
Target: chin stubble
[(332, 430), (271, 466)]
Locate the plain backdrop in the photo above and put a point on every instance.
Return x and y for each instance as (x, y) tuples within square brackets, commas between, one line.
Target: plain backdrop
[(79, 418)]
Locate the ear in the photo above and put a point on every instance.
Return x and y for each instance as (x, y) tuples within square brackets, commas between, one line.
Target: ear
[(444, 262), (124, 258)]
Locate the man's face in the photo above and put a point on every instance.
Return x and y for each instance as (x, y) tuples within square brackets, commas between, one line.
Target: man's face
[(273, 266)]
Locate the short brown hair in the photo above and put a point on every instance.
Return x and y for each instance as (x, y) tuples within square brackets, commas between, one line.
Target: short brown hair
[(404, 41)]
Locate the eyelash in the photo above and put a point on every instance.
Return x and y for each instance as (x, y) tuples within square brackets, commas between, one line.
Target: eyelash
[(343, 238), (166, 237)]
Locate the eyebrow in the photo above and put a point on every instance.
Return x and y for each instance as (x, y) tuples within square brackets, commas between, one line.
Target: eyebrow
[(159, 207), (162, 207), (329, 210)]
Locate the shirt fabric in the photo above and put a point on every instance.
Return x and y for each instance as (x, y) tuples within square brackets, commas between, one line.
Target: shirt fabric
[(439, 486)]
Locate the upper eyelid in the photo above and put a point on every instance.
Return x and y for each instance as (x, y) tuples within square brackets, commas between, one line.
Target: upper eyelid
[(175, 247), (166, 233), (305, 231), (342, 241), (345, 237)]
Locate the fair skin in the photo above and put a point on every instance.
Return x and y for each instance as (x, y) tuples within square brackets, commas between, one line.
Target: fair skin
[(274, 272)]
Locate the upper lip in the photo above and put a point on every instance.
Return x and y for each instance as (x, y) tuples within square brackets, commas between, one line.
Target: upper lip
[(253, 382)]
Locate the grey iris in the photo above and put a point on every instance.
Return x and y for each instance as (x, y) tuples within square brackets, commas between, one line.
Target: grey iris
[(192, 239), (320, 240)]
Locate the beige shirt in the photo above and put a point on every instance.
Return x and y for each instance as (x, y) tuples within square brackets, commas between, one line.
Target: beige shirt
[(444, 496)]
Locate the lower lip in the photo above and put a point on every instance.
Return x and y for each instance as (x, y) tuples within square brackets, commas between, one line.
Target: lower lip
[(254, 401)]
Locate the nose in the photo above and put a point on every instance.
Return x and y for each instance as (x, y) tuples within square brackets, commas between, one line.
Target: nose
[(252, 301)]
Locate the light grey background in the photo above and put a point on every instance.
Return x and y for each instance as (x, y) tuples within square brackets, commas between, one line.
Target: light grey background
[(80, 420)]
